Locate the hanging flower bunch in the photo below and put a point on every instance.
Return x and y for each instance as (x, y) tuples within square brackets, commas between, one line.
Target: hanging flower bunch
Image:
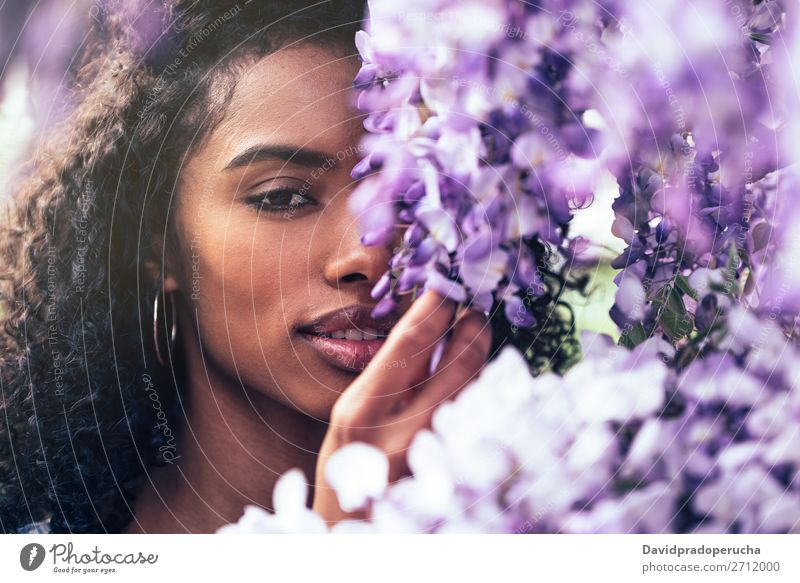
[(697, 202), (491, 122), (473, 148)]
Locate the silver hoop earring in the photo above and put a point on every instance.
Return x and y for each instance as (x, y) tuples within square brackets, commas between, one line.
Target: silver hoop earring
[(173, 329)]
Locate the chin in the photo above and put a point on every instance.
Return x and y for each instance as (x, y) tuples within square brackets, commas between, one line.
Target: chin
[(314, 395), (326, 392)]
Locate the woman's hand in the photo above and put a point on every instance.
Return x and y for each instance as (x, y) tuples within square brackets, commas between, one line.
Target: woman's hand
[(395, 396)]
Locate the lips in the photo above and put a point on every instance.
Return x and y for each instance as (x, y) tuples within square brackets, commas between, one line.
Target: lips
[(347, 338)]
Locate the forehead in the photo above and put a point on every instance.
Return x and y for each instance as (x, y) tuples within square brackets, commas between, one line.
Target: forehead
[(301, 96)]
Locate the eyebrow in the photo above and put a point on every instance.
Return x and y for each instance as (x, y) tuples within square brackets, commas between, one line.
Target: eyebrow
[(281, 152)]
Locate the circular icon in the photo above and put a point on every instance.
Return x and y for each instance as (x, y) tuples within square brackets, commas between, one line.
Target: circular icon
[(31, 556)]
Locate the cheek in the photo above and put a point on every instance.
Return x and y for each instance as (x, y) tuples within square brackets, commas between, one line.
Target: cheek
[(246, 280), (247, 285), (238, 276), (254, 285)]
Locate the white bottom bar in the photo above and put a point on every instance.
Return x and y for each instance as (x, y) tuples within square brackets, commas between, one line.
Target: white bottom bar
[(404, 558)]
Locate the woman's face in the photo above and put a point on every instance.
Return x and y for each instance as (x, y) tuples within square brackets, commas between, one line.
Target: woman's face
[(268, 245)]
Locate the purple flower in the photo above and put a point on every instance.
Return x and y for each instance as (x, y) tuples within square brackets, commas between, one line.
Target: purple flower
[(619, 444)]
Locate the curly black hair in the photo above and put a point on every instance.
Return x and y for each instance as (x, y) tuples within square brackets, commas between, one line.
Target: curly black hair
[(76, 423)]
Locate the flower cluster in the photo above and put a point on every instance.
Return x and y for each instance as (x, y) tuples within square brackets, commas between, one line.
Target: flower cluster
[(491, 123), (473, 148), (38, 43), (621, 443), (698, 203)]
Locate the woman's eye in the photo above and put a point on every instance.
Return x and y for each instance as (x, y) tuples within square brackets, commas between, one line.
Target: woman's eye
[(280, 200)]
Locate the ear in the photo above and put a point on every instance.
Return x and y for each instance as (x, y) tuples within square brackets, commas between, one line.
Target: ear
[(154, 272)]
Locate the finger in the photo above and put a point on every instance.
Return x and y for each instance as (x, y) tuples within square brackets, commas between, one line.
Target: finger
[(464, 356), (402, 361)]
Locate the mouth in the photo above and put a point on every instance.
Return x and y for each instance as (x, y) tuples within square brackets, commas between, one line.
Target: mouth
[(347, 338)]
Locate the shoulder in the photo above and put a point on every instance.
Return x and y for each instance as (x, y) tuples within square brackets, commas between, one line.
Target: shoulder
[(40, 527)]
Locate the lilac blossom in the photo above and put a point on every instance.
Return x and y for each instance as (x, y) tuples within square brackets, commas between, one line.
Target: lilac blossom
[(291, 514), (472, 150), (621, 443), (492, 123), (44, 38), (707, 201)]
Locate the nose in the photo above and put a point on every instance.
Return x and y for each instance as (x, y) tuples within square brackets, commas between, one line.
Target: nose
[(349, 262)]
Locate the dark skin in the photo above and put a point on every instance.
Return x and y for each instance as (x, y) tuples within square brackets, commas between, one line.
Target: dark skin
[(262, 401)]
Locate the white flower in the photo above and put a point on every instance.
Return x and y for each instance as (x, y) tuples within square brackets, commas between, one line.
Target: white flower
[(631, 297), (513, 453), (649, 510), (291, 514), (359, 472), (428, 461)]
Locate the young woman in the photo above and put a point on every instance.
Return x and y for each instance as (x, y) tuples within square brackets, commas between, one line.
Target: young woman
[(186, 297)]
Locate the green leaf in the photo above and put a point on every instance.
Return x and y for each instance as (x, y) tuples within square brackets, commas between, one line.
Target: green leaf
[(733, 259), (675, 302), (682, 283), (659, 295), (744, 255), (633, 337), (760, 38), (750, 283), (676, 326), (731, 268)]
